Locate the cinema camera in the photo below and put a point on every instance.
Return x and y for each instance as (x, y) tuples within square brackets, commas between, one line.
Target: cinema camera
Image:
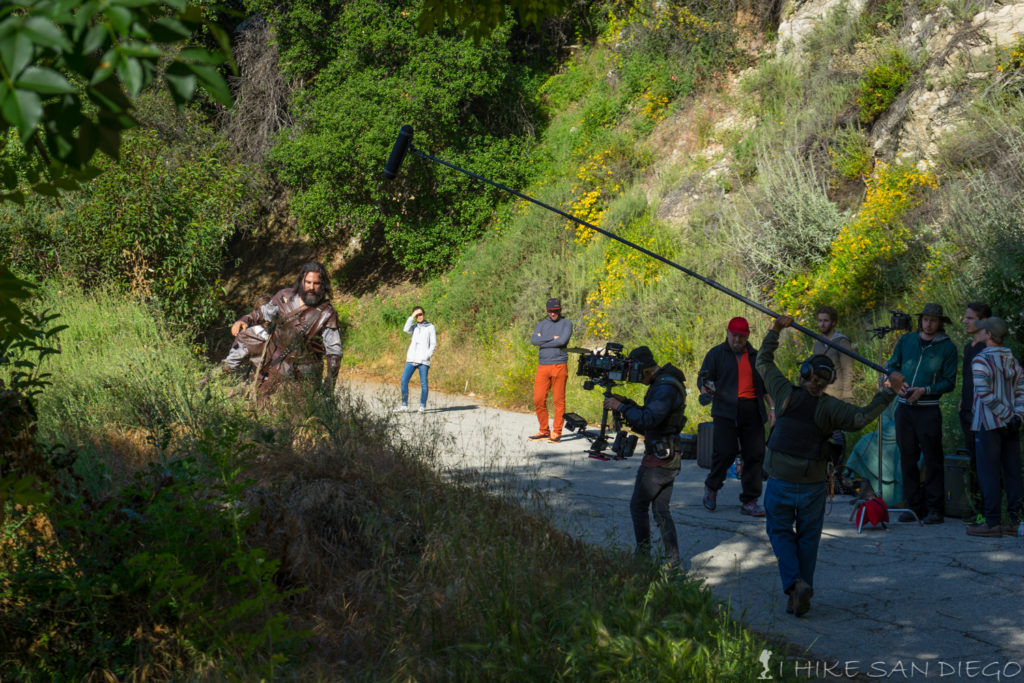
[(898, 321), (605, 368)]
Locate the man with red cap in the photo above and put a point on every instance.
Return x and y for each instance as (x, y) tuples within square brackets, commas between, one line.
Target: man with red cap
[(728, 381), (552, 336)]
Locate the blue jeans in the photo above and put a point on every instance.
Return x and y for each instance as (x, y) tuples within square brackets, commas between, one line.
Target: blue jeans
[(653, 489), (406, 374), (998, 454), (801, 506)]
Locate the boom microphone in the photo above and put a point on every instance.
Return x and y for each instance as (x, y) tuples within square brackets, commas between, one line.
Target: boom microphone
[(403, 144), (398, 152)]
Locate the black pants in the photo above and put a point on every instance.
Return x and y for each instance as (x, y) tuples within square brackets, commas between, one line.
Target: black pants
[(973, 487), (653, 489), (749, 429), (919, 432)]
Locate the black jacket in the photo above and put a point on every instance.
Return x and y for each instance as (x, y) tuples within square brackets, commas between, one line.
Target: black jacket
[(720, 367), (660, 402)]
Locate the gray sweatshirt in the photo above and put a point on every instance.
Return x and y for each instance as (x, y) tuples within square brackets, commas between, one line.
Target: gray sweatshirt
[(552, 351), (842, 388)]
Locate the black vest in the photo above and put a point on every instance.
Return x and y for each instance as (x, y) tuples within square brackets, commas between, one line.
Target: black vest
[(795, 432)]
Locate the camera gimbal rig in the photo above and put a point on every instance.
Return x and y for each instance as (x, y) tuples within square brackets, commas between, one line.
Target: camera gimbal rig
[(624, 443)]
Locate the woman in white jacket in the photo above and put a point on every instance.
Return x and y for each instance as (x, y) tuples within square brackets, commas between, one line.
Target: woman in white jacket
[(421, 348)]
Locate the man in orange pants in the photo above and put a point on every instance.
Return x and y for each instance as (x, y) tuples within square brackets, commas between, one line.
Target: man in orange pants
[(552, 336)]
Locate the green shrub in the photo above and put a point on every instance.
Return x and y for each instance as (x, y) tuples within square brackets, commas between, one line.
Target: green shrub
[(663, 50), (882, 84), (157, 224), (369, 72), (791, 222), (865, 266), (851, 154)]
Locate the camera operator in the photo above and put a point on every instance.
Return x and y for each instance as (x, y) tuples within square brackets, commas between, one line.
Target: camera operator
[(659, 420), (797, 459), (928, 359)]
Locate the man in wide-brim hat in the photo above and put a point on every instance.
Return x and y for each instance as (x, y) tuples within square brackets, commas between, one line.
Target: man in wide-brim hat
[(928, 359)]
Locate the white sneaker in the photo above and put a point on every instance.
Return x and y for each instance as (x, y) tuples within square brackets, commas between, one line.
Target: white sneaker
[(402, 409), (422, 409)]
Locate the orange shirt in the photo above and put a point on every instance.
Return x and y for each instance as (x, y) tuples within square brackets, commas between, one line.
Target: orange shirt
[(746, 380)]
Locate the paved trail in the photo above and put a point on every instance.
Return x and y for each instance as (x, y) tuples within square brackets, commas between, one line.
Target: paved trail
[(910, 603)]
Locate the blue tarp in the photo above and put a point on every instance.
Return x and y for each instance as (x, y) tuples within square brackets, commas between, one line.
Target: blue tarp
[(864, 460)]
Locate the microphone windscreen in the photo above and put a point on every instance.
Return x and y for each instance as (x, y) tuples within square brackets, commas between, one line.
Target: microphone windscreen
[(398, 152)]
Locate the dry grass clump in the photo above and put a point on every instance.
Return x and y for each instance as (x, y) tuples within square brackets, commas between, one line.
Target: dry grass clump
[(399, 563)]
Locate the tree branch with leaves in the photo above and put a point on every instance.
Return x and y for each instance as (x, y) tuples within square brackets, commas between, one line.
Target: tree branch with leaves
[(70, 68)]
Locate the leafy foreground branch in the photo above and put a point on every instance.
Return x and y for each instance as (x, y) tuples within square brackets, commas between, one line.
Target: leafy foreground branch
[(310, 543)]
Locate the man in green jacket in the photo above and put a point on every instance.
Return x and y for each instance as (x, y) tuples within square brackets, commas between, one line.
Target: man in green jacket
[(797, 458), (928, 359)]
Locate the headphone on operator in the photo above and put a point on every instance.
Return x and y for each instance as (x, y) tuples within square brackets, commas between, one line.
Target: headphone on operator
[(815, 364)]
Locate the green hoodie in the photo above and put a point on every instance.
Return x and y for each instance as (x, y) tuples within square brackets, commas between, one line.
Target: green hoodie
[(929, 364), (831, 414)]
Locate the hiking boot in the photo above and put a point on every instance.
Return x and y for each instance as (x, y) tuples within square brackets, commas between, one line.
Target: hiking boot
[(933, 518), (801, 597), (710, 499), (1010, 529), (984, 529), (752, 509), (540, 435), (907, 516)]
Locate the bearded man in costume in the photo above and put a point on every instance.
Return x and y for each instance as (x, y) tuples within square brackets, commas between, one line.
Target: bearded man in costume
[(289, 337)]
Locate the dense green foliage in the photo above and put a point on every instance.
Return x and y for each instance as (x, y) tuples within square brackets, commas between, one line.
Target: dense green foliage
[(69, 69), (155, 224), (882, 84), (370, 72), (128, 567)]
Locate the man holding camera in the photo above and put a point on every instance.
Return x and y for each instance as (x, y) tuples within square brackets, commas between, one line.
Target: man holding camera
[(552, 336), (997, 416), (798, 456), (659, 420), (928, 359), (737, 394)]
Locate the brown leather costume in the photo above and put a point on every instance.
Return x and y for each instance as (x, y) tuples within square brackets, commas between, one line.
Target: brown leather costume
[(295, 349)]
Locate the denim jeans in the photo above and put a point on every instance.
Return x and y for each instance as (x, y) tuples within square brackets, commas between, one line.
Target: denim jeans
[(653, 489), (998, 457), (406, 374), (794, 515)]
